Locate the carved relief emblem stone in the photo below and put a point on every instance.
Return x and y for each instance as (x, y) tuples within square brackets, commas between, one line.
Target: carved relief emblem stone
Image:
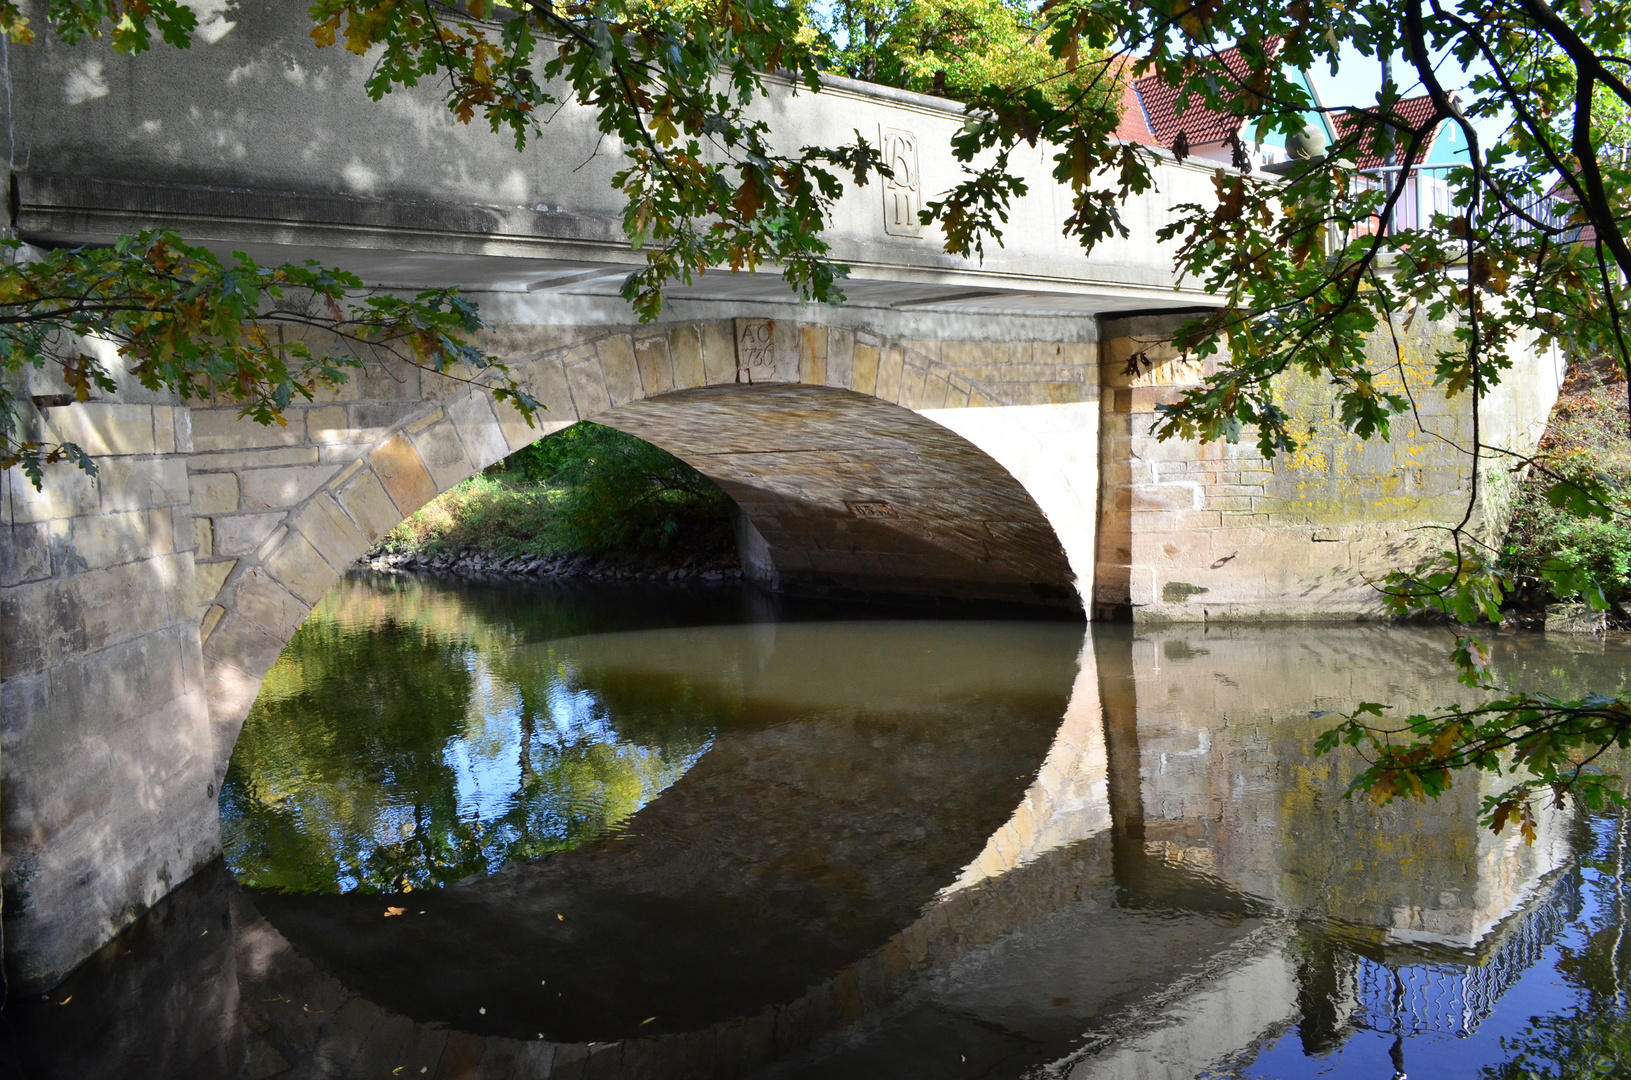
[(903, 192)]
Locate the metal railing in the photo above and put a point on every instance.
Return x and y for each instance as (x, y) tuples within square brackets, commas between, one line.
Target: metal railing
[(1451, 998), (1426, 194)]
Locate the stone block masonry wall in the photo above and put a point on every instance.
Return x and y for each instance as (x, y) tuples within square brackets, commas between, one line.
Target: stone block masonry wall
[(107, 762), (282, 511), (1194, 531)]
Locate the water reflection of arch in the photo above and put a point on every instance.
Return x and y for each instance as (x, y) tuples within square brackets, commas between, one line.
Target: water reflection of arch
[(1032, 863), (1058, 852)]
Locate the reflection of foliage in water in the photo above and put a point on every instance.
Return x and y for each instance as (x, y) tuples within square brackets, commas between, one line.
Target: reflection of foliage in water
[(385, 754)]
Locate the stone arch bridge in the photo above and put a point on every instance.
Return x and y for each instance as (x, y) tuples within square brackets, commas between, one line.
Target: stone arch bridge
[(959, 429)]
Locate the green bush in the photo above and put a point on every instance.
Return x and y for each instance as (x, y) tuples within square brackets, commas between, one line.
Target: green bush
[(1586, 437), (585, 489), (617, 492)]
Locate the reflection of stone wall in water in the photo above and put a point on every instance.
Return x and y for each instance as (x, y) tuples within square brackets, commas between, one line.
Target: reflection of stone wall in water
[(1230, 784)]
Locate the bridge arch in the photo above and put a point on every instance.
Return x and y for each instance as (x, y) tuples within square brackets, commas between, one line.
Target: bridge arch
[(861, 466)]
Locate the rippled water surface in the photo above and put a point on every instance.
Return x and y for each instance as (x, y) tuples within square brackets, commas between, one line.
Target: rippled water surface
[(523, 831)]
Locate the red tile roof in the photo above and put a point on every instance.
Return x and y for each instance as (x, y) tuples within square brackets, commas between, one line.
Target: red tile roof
[(1199, 123), (1414, 111), (1134, 127)]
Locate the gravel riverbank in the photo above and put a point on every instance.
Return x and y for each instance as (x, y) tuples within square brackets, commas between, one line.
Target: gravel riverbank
[(711, 568)]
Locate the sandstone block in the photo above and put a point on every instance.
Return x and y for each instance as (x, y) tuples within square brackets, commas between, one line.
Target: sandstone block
[(388, 381), (911, 386), (183, 422), (331, 532), (370, 505), (589, 394), (517, 432), (266, 601), (935, 389), (545, 379), (237, 534), (161, 538), (718, 352), (103, 429), (400, 469), (618, 365), (222, 429), (138, 483), (301, 569), (266, 489), (864, 370), (685, 351), (253, 459), (26, 555), (164, 429), (422, 421), (372, 421), (66, 492), (813, 354), (44, 623), (479, 429), (214, 493), (211, 619), (208, 577), (327, 424), (840, 357), (443, 454), (656, 370)]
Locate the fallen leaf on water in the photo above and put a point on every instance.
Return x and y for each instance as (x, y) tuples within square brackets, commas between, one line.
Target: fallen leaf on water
[(647, 1020), (394, 911), (482, 1010), (396, 1070), (561, 917), (66, 1000)]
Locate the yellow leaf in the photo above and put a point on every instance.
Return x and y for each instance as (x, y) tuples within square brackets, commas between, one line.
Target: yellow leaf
[(323, 32), (395, 911), (1446, 741)]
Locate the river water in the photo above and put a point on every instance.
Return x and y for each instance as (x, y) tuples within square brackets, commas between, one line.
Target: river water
[(526, 830)]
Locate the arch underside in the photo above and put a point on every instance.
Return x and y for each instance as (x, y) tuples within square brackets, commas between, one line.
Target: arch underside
[(844, 494)]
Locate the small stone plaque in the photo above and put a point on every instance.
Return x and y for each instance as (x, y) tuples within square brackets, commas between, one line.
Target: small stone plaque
[(763, 355), (872, 509)]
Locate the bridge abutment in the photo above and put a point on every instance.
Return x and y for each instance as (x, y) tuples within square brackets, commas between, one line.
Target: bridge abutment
[(1192, 532), (109, 784)]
